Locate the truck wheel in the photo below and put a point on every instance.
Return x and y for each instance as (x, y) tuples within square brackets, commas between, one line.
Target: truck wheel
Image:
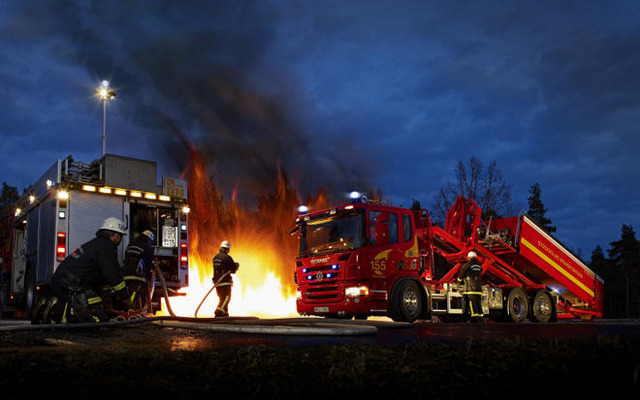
[(517, 306), (406, 302), (542, 307), (30, 290)]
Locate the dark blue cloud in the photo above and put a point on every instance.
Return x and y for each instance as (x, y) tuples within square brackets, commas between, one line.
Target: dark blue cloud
[(378, 94)]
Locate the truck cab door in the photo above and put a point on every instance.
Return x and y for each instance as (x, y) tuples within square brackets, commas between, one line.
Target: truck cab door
[(383, 239)]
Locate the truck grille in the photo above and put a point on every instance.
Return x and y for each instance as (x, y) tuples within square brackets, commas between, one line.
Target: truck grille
[(323, 293)]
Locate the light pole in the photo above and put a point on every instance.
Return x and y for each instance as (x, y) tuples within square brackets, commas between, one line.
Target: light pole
[(106, 94)]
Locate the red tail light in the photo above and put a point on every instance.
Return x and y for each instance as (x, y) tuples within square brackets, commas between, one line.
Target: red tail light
[(184, 255), (61, 246)]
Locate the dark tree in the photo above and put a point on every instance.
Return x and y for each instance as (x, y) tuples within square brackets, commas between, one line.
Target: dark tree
[(602, 266), (416, 205), (8, 200), (484, 185), (537, 210), (625, 278)]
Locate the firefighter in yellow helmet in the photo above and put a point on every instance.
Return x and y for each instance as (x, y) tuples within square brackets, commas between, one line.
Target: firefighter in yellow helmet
[(138, 269), (223, 267), (470, 277)]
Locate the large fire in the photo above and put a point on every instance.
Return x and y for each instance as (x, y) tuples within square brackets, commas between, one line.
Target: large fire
[(261, 244)]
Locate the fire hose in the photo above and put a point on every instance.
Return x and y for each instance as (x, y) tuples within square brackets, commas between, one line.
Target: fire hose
[(247, 325), (215, 285), (166, 292)]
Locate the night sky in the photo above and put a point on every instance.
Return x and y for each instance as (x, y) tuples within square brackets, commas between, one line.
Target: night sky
[(386, 95)]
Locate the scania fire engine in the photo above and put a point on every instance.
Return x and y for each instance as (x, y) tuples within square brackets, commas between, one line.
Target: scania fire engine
[(64, 208), (364, 259)]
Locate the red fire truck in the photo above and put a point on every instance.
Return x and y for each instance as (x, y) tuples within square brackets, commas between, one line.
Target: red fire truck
[(64, 208), (363, 259)]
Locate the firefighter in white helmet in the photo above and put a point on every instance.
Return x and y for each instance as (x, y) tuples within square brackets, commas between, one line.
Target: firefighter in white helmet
[(223, 267), (80, 278), (470, 276)]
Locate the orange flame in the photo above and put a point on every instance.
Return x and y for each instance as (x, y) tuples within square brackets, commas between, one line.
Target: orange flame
[(261, 243)]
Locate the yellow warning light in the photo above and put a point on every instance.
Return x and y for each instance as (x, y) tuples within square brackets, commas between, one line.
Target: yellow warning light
[(88, 188)]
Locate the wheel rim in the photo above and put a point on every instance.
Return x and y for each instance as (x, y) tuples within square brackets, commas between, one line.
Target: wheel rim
[(410, 301), (518, 307), (542, 307)]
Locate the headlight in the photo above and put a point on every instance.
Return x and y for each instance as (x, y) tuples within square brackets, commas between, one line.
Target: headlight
[(356, 291)]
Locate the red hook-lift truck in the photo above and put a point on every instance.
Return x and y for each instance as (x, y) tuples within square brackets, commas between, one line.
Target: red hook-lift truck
[(364, 259)]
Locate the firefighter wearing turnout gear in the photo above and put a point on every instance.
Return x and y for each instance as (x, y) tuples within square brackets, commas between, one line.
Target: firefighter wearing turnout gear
[(470, 276), (138, 270), (81, 277), (223, 267)]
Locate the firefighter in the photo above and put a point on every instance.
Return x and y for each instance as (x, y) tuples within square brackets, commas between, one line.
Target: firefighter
[(470, 276), (77, 282), (138, 270), (223, 267)]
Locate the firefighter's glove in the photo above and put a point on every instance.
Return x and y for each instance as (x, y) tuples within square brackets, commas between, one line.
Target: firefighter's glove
[(237, 266)]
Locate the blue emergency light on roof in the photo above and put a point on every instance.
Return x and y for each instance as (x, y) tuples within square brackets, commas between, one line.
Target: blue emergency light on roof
[(303, 209), (357, 197)]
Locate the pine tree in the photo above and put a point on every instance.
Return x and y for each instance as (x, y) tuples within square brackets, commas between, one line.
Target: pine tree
[(8, 199), (537, 210), (416, 206), (602, 267), (625, 281)]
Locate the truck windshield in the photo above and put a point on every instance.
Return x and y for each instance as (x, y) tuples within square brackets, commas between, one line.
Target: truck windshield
[(334, 234)]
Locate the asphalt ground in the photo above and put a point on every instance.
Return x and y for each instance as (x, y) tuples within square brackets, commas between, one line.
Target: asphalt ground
[(148, 359)]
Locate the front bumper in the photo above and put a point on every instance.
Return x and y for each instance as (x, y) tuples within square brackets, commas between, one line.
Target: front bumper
[(341, 299)]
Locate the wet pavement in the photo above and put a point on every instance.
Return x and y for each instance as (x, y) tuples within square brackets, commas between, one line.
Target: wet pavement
[(208, 333), (150, 359)]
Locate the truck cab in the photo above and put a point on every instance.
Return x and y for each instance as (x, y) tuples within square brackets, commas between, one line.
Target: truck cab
[(354, 258)]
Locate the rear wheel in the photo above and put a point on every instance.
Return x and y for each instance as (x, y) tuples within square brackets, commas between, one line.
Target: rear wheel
[(30, 289), (542, 307), (406, 302), (517, 306)]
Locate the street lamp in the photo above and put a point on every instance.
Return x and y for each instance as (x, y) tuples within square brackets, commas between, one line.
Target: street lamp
[(106, 94)]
